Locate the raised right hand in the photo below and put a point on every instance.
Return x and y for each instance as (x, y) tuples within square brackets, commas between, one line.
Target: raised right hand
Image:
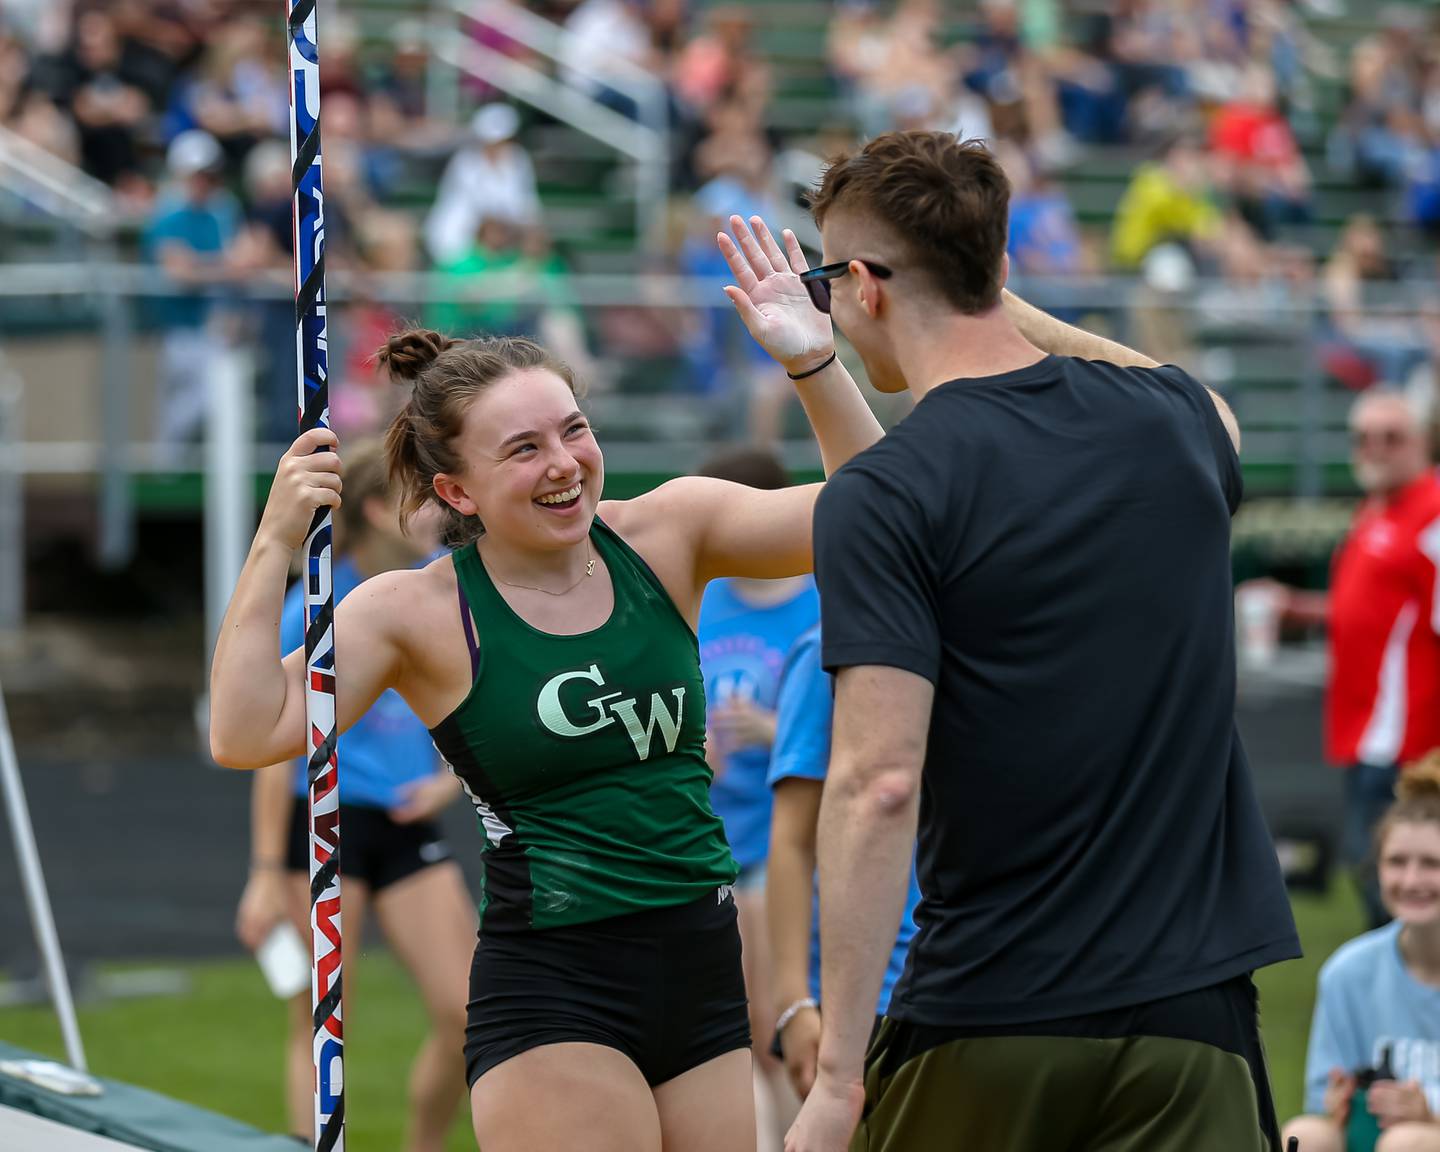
[(307, 478), (769, 297)]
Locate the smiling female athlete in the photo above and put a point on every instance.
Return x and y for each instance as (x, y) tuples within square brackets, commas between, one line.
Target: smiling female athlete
[(554, 659)]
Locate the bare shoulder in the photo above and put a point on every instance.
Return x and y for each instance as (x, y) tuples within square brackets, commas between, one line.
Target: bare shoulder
[(394, 603)]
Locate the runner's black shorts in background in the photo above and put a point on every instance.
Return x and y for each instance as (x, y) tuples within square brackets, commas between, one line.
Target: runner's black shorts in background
[(374, 849), (1182, 1074), (664, 987)]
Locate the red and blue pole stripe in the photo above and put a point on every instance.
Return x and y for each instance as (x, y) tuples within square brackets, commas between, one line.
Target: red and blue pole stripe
[(314, 411)]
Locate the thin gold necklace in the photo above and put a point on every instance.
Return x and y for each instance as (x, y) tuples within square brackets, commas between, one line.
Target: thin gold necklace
[(589, 571)]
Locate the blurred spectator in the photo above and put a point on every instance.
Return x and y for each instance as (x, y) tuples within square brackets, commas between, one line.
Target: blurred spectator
[(734, 143), (39, 121), (609, 38), (369, 398), (892, 73), (342, 73), (526, 288), (263, 255), (1382, 703), (1009, 61), (100, 84), (16, 76), (190, 238), (158, 43), (240, 95), (26, 108), (1257, 159), (718, 63), (1422, 160), (1366, 338), (355, 173), (1171, 201), (1379, 128), (1044, 235), (855, 50), (397, 97), (1091, 84), (748, 388), (491, 175)]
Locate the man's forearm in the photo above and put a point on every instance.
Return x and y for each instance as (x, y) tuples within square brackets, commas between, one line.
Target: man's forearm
[(1061, 339), (866, 840)]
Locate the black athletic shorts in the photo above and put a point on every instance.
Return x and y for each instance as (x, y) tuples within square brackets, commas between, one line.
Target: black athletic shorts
[(1182, 1074), (373, 848), (662, 986)]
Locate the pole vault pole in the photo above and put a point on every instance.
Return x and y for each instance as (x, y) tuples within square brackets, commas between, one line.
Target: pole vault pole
[(314, 408)]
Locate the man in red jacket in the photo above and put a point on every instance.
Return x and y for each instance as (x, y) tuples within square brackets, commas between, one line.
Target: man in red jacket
[(1382, 702)]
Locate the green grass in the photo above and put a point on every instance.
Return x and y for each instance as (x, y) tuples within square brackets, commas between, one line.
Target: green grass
[(150, 1042)]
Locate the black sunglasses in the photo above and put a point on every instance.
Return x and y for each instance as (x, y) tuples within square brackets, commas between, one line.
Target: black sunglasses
[(817, 280), (1389, 437)]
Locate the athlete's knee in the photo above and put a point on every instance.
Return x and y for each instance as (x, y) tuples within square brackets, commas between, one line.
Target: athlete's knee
[(1315, 1134), (1423, 1137), (447, 1023)]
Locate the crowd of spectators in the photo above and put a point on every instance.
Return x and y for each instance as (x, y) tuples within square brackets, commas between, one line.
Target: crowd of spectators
[(1213, 101)]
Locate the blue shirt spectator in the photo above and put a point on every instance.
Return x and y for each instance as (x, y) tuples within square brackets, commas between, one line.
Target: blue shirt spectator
[(1044, 238), (192, 227), (742, 652), (388, 747)]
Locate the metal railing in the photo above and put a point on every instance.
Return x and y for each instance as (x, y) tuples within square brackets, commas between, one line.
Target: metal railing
[(1264, 352), (645, 140), (55, 187)]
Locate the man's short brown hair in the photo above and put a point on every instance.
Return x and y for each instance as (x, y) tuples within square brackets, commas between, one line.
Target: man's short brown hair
[(946, 199)]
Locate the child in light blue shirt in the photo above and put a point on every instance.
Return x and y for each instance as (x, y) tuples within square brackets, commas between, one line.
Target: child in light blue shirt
[(1379, 997), (1368, 1001)]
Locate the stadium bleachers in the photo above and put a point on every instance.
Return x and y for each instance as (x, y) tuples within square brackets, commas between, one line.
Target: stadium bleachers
[(588, 193)]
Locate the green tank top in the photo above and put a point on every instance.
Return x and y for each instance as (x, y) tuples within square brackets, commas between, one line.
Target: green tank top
[(584, 755)]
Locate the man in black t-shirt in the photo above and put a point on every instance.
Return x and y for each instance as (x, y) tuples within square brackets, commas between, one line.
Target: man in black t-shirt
[(1026, 599)]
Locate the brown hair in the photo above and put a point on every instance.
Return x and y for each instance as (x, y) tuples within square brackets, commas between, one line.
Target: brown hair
[(365, 480), (1417, 797), (947, 200), (447, 376), (753, 467)]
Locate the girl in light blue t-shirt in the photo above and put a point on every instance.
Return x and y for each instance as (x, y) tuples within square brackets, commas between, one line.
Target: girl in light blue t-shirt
[(1381, 992)]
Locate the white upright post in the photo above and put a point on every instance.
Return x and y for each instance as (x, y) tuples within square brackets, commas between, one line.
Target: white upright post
[(36, 897)]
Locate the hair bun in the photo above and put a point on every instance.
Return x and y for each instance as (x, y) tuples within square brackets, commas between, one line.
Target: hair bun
[(407, 354), (1421, 779)]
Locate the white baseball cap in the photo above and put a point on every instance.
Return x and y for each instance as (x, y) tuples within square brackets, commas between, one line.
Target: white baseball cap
[(493, 123), (194, 151)]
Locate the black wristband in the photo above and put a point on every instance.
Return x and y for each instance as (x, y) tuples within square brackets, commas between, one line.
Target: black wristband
[(818, 368)]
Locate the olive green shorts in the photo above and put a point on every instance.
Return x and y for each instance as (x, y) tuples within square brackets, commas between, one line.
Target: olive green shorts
[(1183, 1074)]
